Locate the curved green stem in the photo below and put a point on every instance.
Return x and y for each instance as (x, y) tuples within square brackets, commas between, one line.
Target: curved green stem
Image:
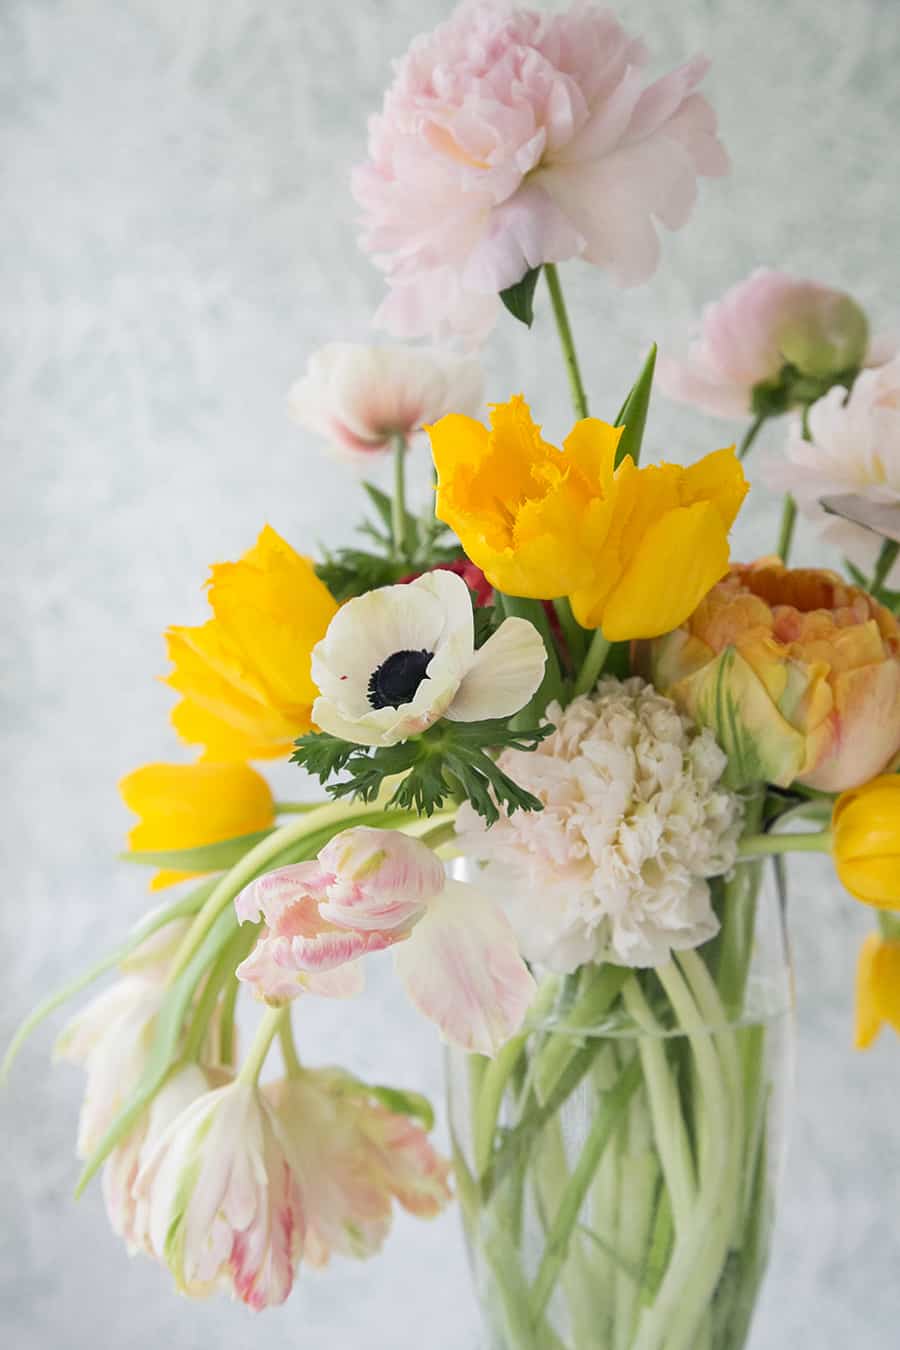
[(398, 505), (786, 531), (751, 434), (292, 1066), (594, 662), (269, 1028), (765, 845), (567, 342)]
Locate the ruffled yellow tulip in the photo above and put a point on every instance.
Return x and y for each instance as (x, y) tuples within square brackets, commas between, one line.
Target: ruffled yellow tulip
[(877, 988), (635, 550), (866, 841), (190, 805), (245, 674)]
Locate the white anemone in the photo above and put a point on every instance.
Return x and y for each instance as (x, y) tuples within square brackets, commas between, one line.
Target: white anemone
[(396, 660)]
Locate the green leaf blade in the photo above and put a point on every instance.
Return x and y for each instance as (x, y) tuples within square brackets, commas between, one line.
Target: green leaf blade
[(519, 299)]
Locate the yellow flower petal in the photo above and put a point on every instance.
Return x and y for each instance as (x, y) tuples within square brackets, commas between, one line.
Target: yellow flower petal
[(866, 848), (634, 548), (245, 673), (190, 805), (877, 988), (678, 559)]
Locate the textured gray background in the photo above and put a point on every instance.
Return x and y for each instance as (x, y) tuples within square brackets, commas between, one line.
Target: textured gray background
[(177, 235)]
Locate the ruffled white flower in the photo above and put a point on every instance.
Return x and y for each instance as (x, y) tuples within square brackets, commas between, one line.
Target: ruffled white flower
[(854, 450), (634, 822), (396, 660), (360, 398)]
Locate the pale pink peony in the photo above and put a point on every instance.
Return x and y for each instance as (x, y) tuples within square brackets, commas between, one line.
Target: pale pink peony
[(511, 138), (759, 326), (361, 398), (456, 953), (352, 1159), (853, 450)]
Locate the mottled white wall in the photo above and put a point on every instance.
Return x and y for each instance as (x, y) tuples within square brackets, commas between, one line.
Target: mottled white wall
[(176, 235)]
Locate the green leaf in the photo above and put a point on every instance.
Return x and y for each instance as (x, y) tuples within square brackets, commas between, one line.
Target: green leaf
[(185, 906), (165, 1050), (383, 505), (207, 858), (404, 1103), (633, 413), (322, 754), (519, 299), (487, 620)]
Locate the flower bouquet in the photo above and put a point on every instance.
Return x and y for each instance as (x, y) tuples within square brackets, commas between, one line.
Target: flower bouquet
[(565, 745)]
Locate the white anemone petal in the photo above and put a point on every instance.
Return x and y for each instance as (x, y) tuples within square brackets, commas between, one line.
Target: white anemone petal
[(504, 674)]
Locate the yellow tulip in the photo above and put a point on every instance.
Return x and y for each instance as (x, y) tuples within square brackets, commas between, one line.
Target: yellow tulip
[(190, 805), (245, 673), (635, 550), (866, 841), (877, 988)]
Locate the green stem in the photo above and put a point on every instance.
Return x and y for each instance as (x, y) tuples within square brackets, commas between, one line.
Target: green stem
[(765, 845), (226, 1022), (886, 559), (669, 1129), (606, 1122), (593, 664), (269, 1028), (567, 342), (292, 1066), (398, 505), (751, 434), (297, 808), (493, 1081), (786, 532), (574, 634), (221, 971)]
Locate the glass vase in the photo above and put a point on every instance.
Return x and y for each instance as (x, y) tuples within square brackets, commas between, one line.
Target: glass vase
[(617, 1162)]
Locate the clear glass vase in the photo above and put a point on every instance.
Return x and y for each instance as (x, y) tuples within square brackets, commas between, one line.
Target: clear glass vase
[(617, 1163)]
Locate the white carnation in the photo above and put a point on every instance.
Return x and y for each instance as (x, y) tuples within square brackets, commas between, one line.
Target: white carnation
[(615, 867)]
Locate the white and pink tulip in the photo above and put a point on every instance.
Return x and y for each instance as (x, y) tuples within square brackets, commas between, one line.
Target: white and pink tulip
[(456, 953), (223, 1206)]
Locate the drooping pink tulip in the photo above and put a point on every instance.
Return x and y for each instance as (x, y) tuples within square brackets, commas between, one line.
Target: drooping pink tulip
[(456, 953)]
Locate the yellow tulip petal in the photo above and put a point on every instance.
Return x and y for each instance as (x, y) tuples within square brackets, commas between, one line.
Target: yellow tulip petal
[(189, 805), (877, 988), (245, 673), (678, 560), (717, 478)]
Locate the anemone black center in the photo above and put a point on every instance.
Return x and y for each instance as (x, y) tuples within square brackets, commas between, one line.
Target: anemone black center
[(396, 680)]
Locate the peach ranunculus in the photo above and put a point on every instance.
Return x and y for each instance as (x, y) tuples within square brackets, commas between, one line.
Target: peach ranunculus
[(796, 672), (244, 675), (512, 138), (634, 549), (765, 334), (360, 399), (352, 1158), (455, 952)]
